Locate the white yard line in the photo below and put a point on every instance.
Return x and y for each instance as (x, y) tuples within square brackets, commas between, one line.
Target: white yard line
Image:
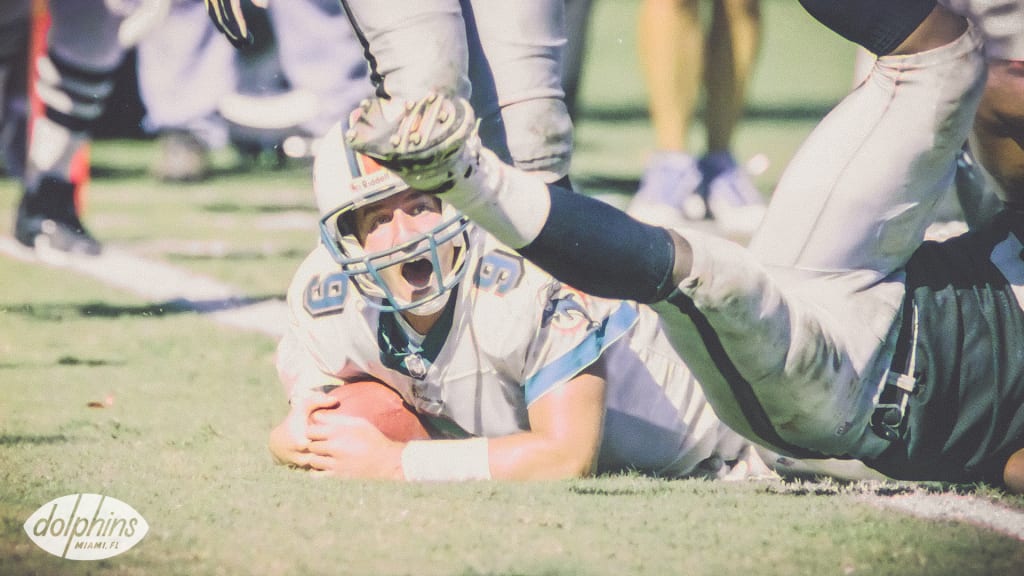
[(954, 508), (160, 282)]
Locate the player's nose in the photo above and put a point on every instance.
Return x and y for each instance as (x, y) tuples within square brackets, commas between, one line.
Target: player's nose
[(404, 227)]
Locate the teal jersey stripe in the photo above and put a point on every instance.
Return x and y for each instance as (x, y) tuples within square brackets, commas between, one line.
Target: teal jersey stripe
[(583, 355)]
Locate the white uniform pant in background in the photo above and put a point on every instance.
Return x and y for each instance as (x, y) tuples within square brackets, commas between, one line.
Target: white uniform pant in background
[(186, 67)]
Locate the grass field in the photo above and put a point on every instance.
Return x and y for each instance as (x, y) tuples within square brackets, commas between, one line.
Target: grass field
[(134, 394)]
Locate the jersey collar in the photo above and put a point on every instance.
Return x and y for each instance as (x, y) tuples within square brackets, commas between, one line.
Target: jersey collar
[(397, 353)]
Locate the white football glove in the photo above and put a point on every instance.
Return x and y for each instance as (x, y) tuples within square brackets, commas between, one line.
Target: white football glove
[(421, 141)]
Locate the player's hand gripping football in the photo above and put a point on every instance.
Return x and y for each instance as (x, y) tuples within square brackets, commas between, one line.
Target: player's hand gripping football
[(424, 141), (346, 446), (228, 17), (288, 441)]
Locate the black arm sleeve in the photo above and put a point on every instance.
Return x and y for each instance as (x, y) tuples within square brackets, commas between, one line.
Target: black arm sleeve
[(878, 25), (600, 250)]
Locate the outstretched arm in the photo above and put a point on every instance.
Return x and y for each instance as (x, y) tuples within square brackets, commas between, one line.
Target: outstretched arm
[(432, 144), (563, 442), (565, 436)]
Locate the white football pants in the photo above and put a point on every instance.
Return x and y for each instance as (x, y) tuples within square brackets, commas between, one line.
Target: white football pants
[(806, 315)]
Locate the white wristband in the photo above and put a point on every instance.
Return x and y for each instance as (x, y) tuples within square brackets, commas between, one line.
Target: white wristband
[(446, 460)]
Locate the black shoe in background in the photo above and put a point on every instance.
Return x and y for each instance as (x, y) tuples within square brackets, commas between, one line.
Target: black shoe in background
[(47, 219)]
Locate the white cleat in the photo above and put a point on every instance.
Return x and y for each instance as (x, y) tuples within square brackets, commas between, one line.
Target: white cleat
[(429, 142)]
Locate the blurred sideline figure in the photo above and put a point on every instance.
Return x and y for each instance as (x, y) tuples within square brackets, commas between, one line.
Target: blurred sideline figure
[(680, 62)]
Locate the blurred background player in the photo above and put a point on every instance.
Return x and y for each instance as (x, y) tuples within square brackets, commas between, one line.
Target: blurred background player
[(680, 62), (306, 74), (87, 42), (505, 57), (74, 79), (524, 377)]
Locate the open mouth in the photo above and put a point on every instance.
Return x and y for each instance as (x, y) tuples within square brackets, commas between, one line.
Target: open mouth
[(418, 272)]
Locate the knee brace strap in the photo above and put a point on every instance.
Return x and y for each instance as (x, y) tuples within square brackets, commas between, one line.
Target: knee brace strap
[(74, 98), (878, 25)]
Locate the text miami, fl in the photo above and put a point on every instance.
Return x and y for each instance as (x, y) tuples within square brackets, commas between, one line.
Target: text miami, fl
[(86, 527)]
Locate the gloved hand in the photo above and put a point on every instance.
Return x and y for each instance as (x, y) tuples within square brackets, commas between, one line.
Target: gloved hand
[(228, 17), (423, 141)]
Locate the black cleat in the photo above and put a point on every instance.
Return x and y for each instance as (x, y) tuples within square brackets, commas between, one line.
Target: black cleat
[(47, 220)]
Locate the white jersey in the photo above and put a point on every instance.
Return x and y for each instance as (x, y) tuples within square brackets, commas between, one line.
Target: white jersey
[(509, 335)]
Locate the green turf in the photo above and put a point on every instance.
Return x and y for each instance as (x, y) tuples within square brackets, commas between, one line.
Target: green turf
[(164, 409)]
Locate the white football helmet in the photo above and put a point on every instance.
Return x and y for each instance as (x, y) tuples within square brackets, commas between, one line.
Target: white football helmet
[(345, 180)]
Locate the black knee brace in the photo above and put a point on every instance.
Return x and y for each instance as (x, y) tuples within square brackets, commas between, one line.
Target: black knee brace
[(599, 250), (73, 97), (878, 25)]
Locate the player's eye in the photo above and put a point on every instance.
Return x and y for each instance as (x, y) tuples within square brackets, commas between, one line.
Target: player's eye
[(421, 206), (375, 221)]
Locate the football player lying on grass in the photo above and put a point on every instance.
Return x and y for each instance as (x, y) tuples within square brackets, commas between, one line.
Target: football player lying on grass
[(839, 332), (517, 375)]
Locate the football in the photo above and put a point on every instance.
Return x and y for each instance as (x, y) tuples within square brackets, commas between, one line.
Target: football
[(381, 406)]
